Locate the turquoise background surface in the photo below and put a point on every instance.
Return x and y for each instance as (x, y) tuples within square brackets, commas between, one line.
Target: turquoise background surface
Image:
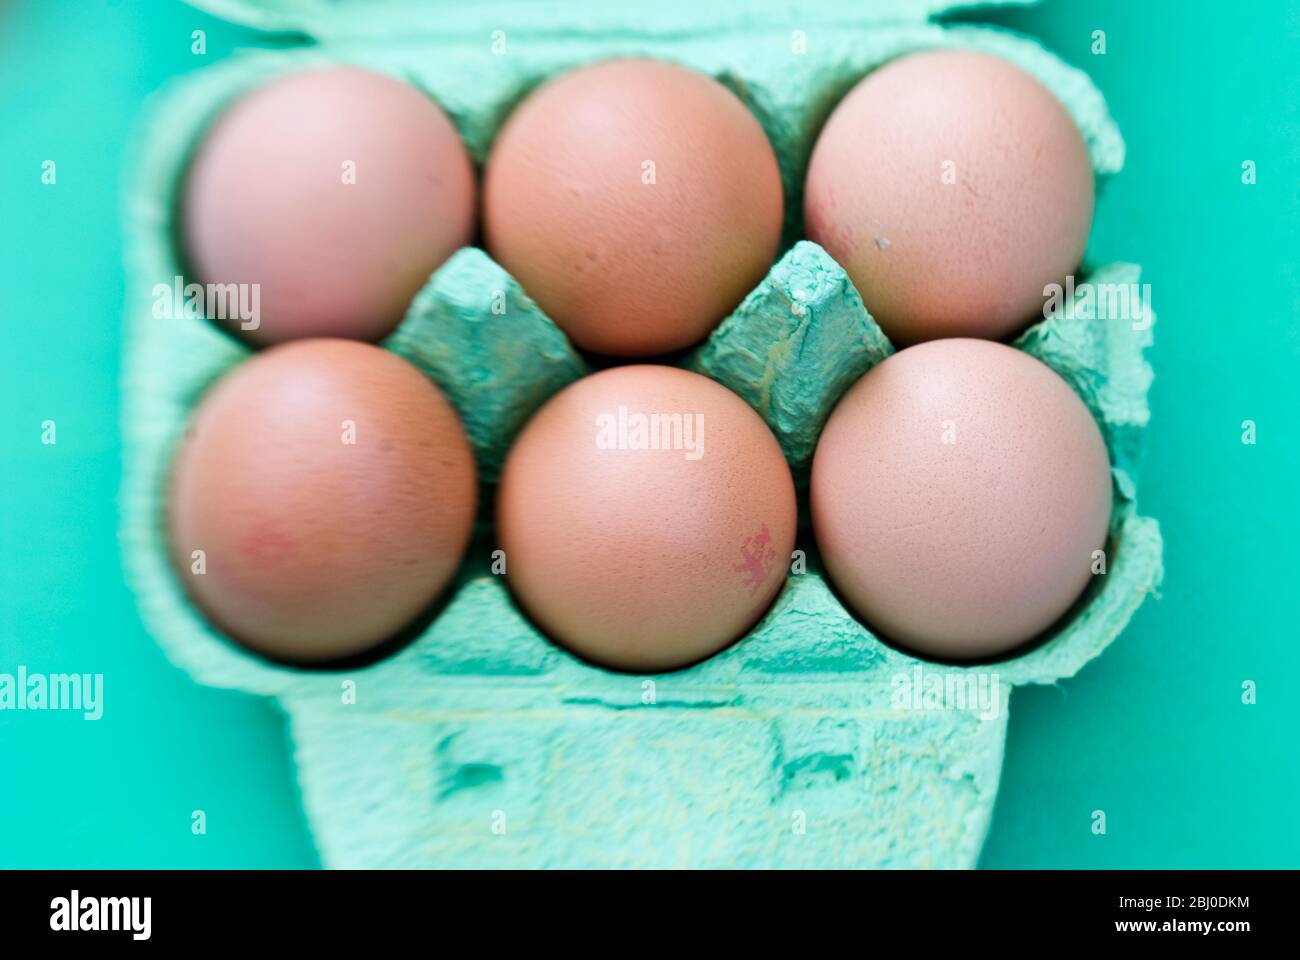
[(1154, 733)]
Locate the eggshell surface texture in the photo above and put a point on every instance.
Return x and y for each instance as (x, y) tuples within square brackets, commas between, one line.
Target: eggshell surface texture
[(952, 187), (331, 489), (637, 202), (637, 557), (337, 191), (958, 492)]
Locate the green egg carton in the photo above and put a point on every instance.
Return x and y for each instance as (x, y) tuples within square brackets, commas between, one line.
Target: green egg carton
[(481, 743)]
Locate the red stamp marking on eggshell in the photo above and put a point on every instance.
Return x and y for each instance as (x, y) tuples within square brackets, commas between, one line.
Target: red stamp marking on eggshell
[(758, 555), (265, 542)]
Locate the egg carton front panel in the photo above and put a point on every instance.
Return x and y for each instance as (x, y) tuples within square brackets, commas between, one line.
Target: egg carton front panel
[(759, 777)]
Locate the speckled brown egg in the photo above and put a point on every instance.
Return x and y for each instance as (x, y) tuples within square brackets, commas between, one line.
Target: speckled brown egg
[(959, 491), (338, 191), (647, 516), (331, 490), (636, 201), (952, 187)]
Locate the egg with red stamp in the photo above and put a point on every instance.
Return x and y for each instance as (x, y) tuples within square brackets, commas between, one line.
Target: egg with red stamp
[(647, 516), (320, 500)]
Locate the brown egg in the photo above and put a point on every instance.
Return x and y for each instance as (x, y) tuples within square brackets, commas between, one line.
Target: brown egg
[(637, 202), (959, 490), (952, 187), (647, 517), (332, 491), (337, 191)]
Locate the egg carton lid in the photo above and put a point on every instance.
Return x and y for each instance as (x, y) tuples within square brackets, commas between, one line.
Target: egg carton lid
[(455, 21)]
